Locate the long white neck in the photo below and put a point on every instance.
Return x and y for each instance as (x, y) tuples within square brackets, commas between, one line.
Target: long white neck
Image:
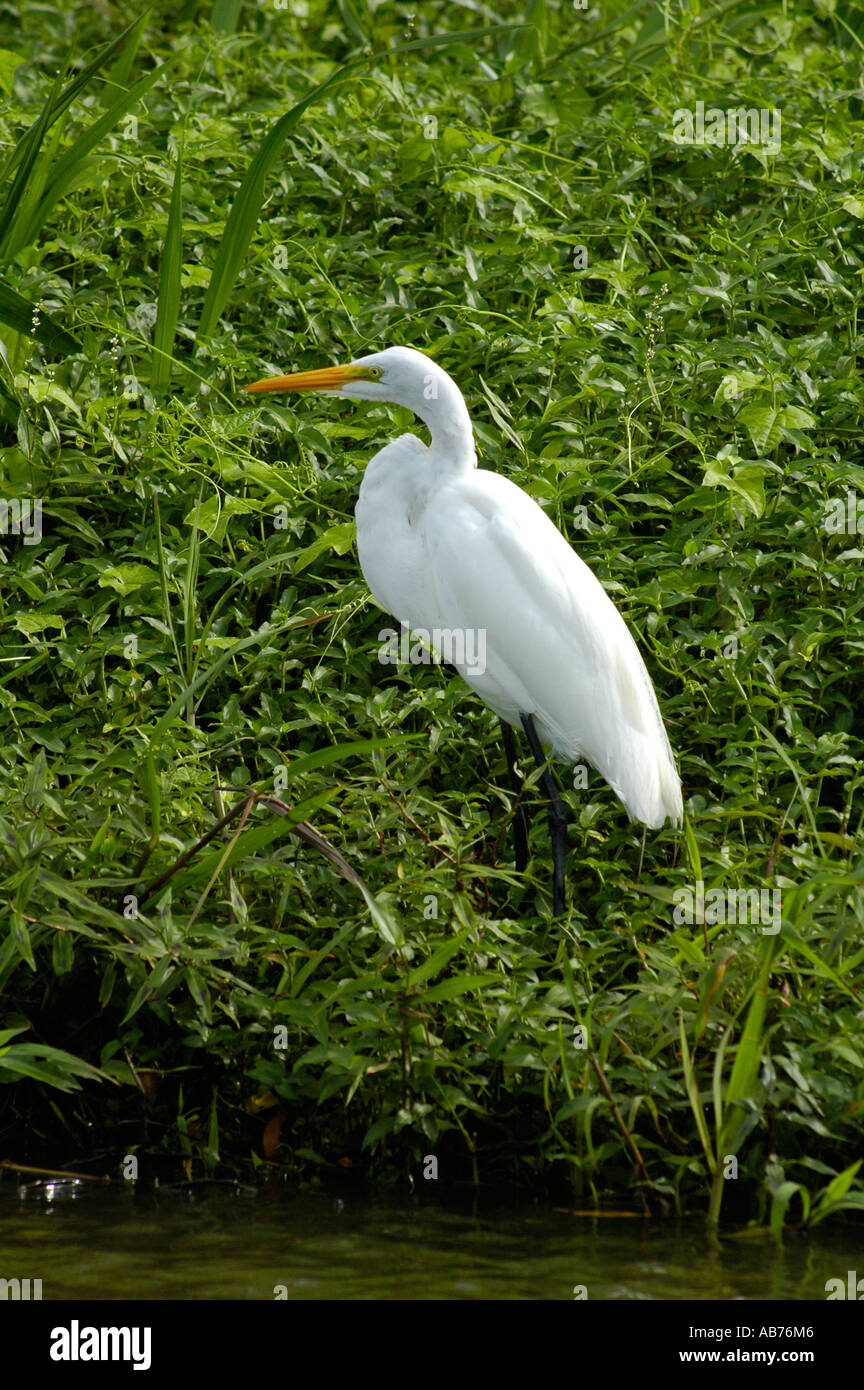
[(442, 409)]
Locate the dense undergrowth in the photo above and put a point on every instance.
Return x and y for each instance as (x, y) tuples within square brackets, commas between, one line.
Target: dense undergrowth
[(659, 341)]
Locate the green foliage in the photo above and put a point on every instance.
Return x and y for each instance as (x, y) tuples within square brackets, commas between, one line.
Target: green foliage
[(246, 858), (48, 1065)]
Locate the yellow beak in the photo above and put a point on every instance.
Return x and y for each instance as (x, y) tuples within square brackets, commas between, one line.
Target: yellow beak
[(320, 379)]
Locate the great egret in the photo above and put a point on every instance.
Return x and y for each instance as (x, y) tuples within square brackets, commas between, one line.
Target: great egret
[(446, 546)]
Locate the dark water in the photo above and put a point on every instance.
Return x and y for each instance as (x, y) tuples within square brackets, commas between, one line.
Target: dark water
[(215, 1242)]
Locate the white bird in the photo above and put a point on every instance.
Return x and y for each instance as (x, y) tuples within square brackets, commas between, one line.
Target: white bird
[(445, 545)]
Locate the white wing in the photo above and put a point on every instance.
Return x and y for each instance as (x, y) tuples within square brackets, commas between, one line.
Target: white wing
[(479, 554)]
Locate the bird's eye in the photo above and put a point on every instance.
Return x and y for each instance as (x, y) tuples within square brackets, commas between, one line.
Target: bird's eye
[(375, 373)]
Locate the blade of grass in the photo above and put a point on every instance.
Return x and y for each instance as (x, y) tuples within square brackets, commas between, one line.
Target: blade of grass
[(224, 15), (63, 172), (29, 145), (163, 581), (692, 1088), (151, 786), (246, 208), (334, 753), (118, 74), (832, 1197), (190, 584), (16, 312), (27, 149), (352, 21), (780, 1205), (745, 1071), (16, 237), (748, 1054), (805, 802), (168, 310), (692, 849), (244, 816), (717, 1087)]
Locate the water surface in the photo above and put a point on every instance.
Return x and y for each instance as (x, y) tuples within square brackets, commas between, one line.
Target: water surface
[(222, 1242)]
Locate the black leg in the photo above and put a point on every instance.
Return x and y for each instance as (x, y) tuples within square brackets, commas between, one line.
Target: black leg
[(520, 823), (557, 815)]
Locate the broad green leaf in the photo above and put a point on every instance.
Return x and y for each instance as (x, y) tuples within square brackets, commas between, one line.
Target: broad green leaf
[(793, 417), (42, 388), (9, 61), (763, 424), (336, 538), (32, 623), (126, 578)]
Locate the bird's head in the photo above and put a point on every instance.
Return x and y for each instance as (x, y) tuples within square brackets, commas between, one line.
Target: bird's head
[(400, 375)]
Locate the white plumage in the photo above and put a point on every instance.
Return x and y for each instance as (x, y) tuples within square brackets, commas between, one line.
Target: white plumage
[(445, 545)]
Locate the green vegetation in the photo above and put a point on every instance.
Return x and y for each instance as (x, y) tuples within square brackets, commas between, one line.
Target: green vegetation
[(349, 972)]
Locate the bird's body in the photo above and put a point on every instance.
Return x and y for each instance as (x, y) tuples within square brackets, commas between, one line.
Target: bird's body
[(477, 553), (446, 546)]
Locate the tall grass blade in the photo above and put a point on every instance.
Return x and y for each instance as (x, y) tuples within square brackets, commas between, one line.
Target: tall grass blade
[(26, 151), (225, 15), (692, 849), (780, 1205), (692, 1087), (61, 175), (28, 146), (836, 1190), (168, 310), (352, 21), (190, 585), (745, 1072), (25, 210), (16, 312), (150, 781), (163, 580), (748, 1054), (203, 679), (118, 74), (246, 208)]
